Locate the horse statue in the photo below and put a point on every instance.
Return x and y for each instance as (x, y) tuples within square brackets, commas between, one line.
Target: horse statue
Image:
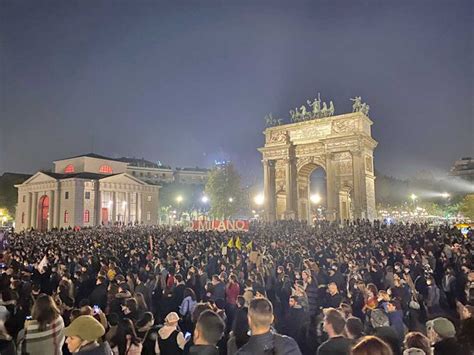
[(331, 108), (356, 107)]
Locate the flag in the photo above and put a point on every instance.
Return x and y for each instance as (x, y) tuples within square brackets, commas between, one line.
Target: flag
[(249, 245), (230, 243), (238, 244)]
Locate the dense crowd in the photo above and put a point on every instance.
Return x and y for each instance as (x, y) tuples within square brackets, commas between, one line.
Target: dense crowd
[(286, 288)]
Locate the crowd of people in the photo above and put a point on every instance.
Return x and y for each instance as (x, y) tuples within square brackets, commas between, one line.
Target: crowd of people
[(288, 288)]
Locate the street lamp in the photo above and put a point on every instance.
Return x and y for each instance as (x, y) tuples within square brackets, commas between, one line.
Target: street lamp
[(315, 198), (259, 199), (445, 195), (413, 197), (179, 199), (204, 199), (231, 199)]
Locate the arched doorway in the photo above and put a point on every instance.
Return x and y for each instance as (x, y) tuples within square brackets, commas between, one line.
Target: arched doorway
[(43, 213), (312, 201)]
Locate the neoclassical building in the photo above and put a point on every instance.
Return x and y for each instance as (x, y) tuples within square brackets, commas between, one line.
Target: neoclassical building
[(86, 190)]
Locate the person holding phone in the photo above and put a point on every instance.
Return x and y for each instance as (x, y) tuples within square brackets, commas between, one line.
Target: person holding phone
[(209, 330)]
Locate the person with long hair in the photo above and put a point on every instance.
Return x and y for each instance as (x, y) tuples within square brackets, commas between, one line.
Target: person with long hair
[(142, 306), (370, 345), (44, 332), (126, 341), (148, 332), (416, 341)]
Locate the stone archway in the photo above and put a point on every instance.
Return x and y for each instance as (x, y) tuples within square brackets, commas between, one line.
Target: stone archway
[(43, 213), (341, 145)]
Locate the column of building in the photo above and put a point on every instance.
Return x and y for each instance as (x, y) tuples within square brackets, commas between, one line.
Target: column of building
[(51, 208), (29, 211), (139, 207), (34, 211), (56, 207), (114, 207)]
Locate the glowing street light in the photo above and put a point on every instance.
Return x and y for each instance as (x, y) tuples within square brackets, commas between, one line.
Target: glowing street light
[(204, 199), (413, 197), (445, 195), (315, 198), (259, 199), (179, 199), (231, 199)]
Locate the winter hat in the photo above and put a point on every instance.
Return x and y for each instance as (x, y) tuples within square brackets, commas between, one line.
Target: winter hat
[(85, 327), (442, 326)]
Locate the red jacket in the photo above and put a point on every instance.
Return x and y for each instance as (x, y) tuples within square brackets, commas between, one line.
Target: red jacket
[(231, 293)]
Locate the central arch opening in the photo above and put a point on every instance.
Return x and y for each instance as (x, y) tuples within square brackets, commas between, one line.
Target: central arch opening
[(312, 193)]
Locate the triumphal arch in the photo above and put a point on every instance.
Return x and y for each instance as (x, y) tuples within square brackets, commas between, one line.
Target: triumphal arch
[(341, 145)]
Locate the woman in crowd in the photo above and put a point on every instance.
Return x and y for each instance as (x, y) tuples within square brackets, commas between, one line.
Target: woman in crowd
[(44, 332), (125, 341)]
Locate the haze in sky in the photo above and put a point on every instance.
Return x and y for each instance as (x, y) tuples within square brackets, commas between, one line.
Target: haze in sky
[(186, 83)]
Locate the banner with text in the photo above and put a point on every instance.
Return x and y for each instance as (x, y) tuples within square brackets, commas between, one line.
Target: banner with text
[(239, 225)]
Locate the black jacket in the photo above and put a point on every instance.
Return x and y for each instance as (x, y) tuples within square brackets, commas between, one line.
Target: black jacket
[(335, 346), (270, 343), (99, 296), (204, 350), (447, 346)]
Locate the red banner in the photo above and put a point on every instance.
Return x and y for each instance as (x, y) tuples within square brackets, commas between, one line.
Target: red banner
[(239, 225)]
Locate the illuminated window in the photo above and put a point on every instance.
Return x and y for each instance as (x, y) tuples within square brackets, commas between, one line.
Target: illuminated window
[(69, 169), (23, 217), (105, 169), (66, 217), (86, 216)]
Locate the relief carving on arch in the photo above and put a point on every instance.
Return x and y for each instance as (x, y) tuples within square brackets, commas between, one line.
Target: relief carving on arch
[(277, 137), (343, 126), (313, 149), (318, 160), (343, 163)]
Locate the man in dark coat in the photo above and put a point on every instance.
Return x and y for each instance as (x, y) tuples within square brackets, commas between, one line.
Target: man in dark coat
[(263, 341), (334, 325), (99, 294), (294, 320)]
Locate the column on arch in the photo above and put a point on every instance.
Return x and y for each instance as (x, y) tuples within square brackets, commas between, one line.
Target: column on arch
[(291, 210), (269, 189), (359, 196), (332, 195)]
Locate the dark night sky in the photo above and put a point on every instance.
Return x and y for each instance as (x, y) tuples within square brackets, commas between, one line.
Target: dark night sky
[(187, 82)]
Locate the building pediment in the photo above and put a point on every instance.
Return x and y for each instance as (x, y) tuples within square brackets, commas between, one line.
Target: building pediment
[(123, 178), (39, 177)]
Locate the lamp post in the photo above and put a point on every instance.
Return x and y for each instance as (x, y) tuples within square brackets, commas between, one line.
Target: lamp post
[(179, 199)]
